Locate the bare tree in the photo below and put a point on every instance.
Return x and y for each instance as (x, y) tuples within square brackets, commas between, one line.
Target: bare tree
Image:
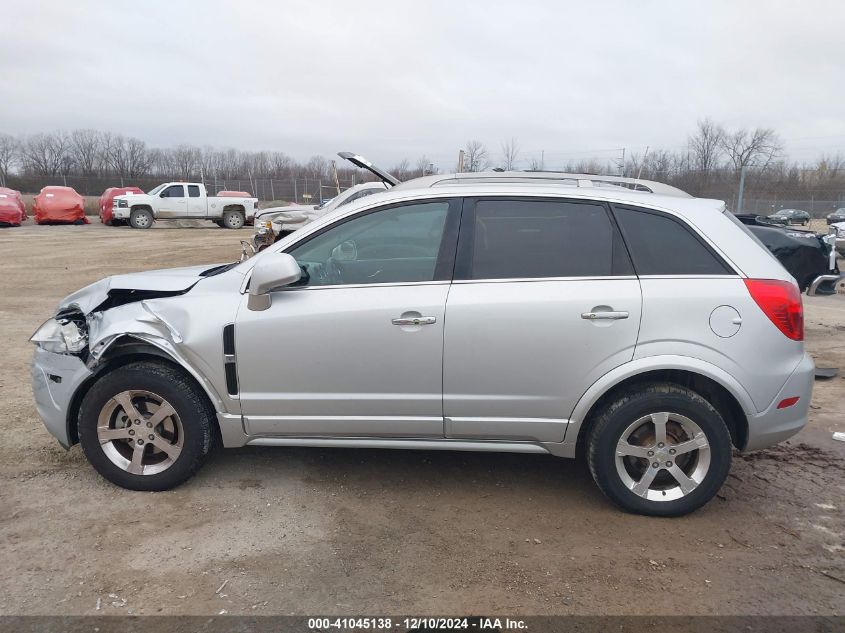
[(751, 149), (46, 154), (402, 169), (510, 154), (424, 167), (317, 167), (475, 156), (536, 164), (186, 160), (9, 154), (137, 157), (85, 147), (706, 147), (745, 148)]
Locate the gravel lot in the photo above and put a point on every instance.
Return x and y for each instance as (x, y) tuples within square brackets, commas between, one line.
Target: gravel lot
[(366, 531)]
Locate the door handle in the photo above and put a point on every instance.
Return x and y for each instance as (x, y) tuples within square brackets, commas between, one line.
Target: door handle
[(415, 321), (609, 316)]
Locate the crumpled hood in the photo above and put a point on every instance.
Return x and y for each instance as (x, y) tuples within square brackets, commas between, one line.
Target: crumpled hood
[(265, 214), (297, 216), (167, 281)]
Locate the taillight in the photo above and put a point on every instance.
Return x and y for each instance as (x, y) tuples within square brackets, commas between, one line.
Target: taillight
[(781, 302)]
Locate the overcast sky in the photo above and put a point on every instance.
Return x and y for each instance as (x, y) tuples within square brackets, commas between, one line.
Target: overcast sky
[(402, 79)]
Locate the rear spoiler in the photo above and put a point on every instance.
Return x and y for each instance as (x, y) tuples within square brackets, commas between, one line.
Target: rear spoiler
[(363, 163)]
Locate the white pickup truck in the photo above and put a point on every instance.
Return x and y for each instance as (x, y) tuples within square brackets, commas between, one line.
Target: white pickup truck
[(183, 201)]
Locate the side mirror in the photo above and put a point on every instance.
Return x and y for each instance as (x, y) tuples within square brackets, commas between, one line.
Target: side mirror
[(271, 271)]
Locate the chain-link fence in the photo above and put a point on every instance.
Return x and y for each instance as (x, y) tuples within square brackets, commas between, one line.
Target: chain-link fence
[(816, 208), (296, 190), (303, 190)]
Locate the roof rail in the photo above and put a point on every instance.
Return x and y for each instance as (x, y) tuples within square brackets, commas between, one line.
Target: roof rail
[(547, 177)]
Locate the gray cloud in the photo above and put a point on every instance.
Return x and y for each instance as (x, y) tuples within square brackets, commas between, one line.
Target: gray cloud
[(399, 79)]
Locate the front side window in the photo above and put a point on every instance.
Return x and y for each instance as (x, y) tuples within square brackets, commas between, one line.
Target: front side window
[(522, 239), (193, 191), (395, 245), (174, 191), (661, 245)]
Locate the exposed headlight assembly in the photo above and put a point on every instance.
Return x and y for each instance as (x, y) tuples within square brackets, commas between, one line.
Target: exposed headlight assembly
[(60, 337)]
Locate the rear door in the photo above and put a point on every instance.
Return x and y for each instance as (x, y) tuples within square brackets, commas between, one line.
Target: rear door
[(196, 202), (544, 302)]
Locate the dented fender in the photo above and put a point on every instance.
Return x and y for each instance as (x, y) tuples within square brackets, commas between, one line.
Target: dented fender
[(154, 324)]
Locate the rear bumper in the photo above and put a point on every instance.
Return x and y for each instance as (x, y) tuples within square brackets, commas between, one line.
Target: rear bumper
[(775, 425), (55, 379)]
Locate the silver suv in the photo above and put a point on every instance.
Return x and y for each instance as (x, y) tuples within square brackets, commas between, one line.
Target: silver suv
[(625, 322)]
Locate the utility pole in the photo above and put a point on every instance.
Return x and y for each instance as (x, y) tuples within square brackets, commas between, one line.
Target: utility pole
[(461, 161), (741, 189), (334, 175)]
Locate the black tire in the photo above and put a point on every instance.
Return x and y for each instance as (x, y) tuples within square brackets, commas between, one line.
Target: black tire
[(179, 389), (141, 219), (232, 220), (642, 401)]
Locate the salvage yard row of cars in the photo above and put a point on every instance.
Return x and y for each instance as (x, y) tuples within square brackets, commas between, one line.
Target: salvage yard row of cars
[(470, 313), (130, 205)]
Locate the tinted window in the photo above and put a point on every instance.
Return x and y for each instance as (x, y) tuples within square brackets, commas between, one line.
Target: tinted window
[(394, 245), (537, 238), (661, 245), (174, 191), (193, 191)]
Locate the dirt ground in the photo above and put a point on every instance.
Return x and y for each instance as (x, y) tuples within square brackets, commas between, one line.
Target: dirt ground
[(304, 531)]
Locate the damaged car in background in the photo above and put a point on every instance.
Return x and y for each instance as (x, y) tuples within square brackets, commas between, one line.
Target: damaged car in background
[(810, 258), (275, 223)]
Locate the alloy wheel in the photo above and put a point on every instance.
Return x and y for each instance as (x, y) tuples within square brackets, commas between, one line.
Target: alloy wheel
[(140, 432), (662, 456)]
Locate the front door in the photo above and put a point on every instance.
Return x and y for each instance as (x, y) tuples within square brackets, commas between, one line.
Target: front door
[(543, 303), (172, 203), (355, 348)]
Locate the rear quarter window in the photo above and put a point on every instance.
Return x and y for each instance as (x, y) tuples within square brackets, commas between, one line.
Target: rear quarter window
[(662, 245)]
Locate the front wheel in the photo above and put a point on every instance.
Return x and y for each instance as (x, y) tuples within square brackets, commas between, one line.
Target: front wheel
[(146, 426), (232, 219), (141, 219), (659, 450)]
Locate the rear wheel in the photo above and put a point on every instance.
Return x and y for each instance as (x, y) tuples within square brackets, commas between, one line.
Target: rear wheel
[(659, 450), (232, 219), (145, 426), (141, 219)]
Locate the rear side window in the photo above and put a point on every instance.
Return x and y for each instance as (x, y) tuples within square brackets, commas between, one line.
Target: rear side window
[(660, 245), (193, 191), (523, 239)]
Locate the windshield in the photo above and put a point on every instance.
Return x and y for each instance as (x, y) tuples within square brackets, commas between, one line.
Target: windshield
[(156, 190)]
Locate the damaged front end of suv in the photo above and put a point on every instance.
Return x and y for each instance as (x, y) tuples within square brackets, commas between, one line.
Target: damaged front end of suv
[(114, 321)]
